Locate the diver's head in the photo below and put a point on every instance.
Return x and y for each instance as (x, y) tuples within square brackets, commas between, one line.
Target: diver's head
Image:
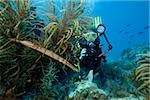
[(90, 36), (93, 33)]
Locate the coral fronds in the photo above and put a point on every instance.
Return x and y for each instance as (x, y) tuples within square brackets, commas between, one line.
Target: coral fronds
[(25, 39), (15, 18), (142, 74), (71, 23), (65, 22), (46, 52)]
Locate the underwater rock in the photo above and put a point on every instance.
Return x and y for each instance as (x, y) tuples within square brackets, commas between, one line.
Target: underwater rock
[(128, 98), (87, 90)]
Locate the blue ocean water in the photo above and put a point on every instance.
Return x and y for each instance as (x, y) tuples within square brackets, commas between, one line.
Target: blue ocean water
[(125, 20)]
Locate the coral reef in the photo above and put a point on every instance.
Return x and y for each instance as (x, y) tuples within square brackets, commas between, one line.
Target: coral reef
[(129, 54), (119, 90), (115, 76), (40, 59), (141, 75), (46, 89), (46, 52), (28, 45), (14, 59), (89, 93), (65, 26), (113, 79), (86, 90)]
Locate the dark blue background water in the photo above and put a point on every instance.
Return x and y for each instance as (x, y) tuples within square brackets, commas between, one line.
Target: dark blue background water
[(125, 21)]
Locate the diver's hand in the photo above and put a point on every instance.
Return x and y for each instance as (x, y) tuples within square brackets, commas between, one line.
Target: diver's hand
[(83, 53)]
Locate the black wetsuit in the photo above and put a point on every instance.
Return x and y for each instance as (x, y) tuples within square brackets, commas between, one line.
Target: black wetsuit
[(91, 61)]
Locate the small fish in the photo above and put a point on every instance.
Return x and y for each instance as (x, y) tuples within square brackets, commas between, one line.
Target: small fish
[(121, 31), (131, 35), (146, 27), (128, 25), (127, 32), (140, 32)]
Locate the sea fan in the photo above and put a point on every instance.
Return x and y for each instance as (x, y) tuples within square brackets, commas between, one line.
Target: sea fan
[(16, 18), (21, 56), (22, 22), (142, 75), (66, 23), (14, 14)]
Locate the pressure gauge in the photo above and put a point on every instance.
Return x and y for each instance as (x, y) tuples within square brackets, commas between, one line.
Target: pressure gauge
[(101, 28)]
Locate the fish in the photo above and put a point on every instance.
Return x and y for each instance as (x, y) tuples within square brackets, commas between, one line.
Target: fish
[(132, 35), (120, 31), (127, 32), (140, 32), (146, 27), (128, 25)]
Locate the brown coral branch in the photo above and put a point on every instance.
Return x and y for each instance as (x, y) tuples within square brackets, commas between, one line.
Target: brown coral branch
[(17, 72), (142, 75), (46, 52), (34, 65), (146, 83), (61, 40), (69, 32), (60, 45), (64, 49), (6, 6)]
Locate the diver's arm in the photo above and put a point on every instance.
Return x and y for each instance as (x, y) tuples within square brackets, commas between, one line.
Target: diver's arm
[(83, 53), (83, 45)]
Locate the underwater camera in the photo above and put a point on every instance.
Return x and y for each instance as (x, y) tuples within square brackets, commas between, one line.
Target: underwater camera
[(101, 29)]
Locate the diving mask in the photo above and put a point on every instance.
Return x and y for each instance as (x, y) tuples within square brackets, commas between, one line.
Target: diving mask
[(90, 36)]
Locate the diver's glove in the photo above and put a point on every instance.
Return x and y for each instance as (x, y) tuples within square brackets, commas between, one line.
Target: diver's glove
[(83, 53)]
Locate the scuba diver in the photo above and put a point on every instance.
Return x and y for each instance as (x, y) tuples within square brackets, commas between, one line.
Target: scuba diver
[(91, 54)]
